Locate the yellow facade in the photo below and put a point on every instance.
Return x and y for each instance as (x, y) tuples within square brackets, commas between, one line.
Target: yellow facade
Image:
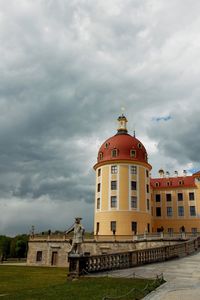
[(125, 210), (179, 214)]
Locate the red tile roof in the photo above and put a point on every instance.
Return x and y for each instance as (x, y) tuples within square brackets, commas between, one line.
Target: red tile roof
[(173, 182), (197, 173), (123, 143)]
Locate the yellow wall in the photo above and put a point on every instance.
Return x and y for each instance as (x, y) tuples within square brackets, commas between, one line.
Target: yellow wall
[(176, 221), (123, 214), (123, 220)]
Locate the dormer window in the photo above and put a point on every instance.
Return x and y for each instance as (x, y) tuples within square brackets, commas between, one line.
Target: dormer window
[(132, 153), (106, 145), (168, 183), (139, 145), (181, 182), (114, 153), (157, 184), (100, 156)]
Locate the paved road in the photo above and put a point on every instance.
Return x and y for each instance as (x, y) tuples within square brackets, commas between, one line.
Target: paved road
[(182, 276)]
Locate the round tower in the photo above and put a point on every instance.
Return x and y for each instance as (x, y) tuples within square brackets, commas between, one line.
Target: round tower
[(122, 197)]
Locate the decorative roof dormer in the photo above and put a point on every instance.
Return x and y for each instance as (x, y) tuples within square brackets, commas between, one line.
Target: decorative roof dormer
[(122, 120)]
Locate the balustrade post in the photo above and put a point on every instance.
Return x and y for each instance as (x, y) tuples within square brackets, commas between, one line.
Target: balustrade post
[(166, 252), (196, 244), (186, 249)]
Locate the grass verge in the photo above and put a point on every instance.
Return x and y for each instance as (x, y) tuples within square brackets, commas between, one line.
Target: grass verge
[(27, 283)]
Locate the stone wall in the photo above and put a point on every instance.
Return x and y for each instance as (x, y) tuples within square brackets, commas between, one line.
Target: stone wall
[(61, 247), (55, 252)]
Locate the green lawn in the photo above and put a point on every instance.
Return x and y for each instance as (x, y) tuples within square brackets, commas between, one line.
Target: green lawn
[(17, 282)]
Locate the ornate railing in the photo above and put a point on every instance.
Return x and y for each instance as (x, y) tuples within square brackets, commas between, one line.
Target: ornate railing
[(79, 265)]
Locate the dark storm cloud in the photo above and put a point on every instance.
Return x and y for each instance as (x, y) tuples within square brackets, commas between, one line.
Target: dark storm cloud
[(66, 68), (43, 213), (179, 137)]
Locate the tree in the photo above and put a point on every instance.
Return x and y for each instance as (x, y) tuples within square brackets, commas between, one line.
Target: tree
[(4, 247), (21, 248)]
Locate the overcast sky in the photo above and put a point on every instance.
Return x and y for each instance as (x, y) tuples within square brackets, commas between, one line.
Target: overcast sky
[(66, 69)]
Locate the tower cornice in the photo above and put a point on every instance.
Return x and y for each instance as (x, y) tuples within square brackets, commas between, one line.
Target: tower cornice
[(123, 161)]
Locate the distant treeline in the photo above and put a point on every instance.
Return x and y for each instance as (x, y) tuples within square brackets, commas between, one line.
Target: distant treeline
[(13, 247)]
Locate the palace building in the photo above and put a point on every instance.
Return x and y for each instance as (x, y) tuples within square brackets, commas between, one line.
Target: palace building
[(128, 201)]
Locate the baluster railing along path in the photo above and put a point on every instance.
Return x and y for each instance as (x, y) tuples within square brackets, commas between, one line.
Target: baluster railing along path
[(80, 265)]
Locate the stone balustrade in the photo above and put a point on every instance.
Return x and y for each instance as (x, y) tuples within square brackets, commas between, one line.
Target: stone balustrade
[(80, 265), (139, 237)]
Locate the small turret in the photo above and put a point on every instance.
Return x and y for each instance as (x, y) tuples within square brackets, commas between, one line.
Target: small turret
[(122, 120)]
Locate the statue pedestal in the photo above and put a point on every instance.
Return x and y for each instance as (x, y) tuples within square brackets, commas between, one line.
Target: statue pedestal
[(76, 265)]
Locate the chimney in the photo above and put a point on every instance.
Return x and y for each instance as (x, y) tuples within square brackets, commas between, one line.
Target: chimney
[(176, 173), (167, 174), (161, 173), (184, 173)]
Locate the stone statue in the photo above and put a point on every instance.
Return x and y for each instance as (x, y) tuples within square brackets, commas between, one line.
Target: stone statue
[(78, 236)]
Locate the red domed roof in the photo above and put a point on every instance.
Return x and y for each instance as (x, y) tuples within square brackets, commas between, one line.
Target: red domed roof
[(122, 146)]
